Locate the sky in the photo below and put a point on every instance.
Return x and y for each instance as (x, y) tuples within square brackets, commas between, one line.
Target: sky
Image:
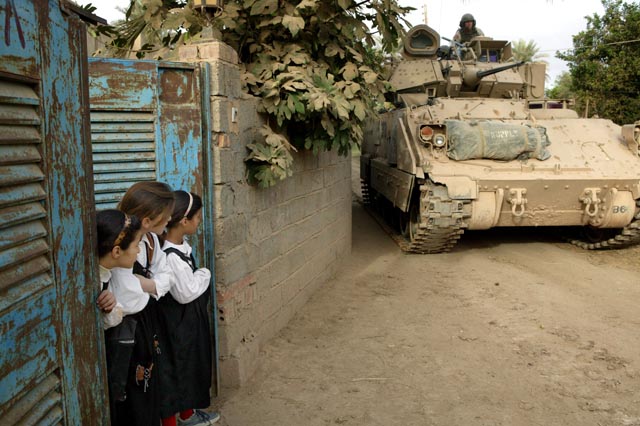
[(549, 23)]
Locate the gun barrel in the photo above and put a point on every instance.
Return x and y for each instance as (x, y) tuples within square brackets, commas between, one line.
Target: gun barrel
[(485, 73), (453, 41)]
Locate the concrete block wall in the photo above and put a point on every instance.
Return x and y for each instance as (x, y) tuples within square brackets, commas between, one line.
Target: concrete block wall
[(274, 247)]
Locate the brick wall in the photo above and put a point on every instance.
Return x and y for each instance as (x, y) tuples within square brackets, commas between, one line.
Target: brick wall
[(274, 247)]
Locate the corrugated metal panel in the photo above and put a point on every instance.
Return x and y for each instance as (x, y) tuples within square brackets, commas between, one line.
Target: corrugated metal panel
[(27, 324), (124, 126), (50, 340), (124, 152)]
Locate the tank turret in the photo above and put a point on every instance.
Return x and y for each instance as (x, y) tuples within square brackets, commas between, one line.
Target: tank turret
[(429, 70), (473, 144)]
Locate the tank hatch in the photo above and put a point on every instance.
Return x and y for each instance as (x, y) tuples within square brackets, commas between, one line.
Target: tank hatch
[(422, 40)]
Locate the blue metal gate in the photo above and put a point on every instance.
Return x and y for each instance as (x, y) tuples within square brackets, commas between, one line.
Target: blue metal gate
[(50, 354), (149, 121)]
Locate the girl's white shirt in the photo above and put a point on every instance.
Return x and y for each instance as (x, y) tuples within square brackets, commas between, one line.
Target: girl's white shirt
[(128, 291), (113, 318), (188, 285), (160, 270)]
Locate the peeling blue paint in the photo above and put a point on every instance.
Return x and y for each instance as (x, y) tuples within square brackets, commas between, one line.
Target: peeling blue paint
[(48, 320)]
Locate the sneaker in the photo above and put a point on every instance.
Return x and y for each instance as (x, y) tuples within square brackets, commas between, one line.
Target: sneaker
[(200, 418)]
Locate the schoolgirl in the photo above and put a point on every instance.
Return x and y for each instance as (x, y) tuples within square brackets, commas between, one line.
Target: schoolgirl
[(118, 238), (185, 375), (151, 203)]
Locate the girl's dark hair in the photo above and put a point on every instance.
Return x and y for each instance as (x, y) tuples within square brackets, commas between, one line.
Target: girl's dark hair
[(115, 229), (181, 206), (147, 199)]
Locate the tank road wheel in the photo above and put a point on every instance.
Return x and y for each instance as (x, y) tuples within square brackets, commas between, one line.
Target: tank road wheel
[(436, 222), (598, 239)]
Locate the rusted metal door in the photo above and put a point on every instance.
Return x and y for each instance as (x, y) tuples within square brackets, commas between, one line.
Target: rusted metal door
[(50, 346), (150, 121)]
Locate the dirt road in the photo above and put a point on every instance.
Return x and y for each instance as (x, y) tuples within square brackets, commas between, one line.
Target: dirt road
[(507, 329)]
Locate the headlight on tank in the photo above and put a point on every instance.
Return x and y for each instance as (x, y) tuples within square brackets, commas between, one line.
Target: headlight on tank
[(426, 133), (439, 141)]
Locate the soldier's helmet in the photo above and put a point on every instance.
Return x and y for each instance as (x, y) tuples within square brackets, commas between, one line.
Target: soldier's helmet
[(467, 17)]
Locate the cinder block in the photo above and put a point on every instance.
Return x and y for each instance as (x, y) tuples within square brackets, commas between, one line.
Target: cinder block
[(270, 250), (298, 161), (288, 189), (231, 198), (217, 51), (290, 237), (298, 302), (311, 161), (269, 302), (236, 370), (314, 201), (230, 232), (233, 335), (259, 227), (249, 120), (224, 199), (327, 158), (225, 79), (279, 271), (228, 165), (282, 318), (295, 260), (188, 53), (231, 266), (259, 199), (291, 286), (315, 180), (332, 175), (221, 114), (277, 217), (298, 208)]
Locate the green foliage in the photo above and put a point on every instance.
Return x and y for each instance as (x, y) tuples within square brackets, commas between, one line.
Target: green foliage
[(271, 160), (311, 62), (605, 62), (562, 88)]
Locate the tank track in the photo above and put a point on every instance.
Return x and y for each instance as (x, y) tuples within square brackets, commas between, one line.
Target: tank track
[(628, 236), (439, 225), (441, 222)]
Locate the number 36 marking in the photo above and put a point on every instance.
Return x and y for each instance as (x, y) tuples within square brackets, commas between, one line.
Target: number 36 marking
[(620, 209)]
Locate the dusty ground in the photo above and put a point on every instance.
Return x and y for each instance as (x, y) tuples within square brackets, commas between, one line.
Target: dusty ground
[(507, 329)]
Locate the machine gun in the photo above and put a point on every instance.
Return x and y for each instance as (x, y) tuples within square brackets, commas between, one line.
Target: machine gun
[(459, 49), (458, 44)]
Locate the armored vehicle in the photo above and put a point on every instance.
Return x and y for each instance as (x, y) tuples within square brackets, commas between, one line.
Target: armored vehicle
[(473, 144)]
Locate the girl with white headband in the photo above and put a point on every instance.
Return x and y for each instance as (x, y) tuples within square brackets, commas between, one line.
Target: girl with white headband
[(185, 375)]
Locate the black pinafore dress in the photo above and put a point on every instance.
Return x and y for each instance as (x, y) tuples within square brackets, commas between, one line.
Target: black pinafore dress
[(185, 373), (140, 406)]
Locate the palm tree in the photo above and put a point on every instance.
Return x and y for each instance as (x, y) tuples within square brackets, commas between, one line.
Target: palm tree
[(527, 51)]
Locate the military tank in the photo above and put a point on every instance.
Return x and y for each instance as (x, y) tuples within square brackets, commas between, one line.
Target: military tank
[(472, 143)]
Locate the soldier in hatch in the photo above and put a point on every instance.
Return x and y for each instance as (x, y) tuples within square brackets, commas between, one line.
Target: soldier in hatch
[(467, 30)]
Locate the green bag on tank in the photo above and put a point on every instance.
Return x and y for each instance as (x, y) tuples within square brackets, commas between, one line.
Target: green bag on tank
[(496, 141)]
